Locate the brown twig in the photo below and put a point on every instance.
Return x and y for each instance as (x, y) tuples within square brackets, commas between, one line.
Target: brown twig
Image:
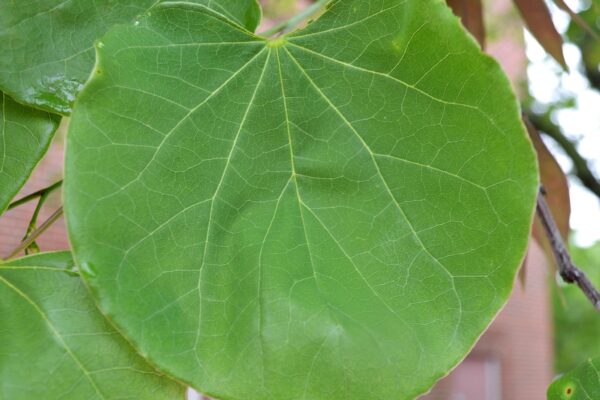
[(35, 234), (567, 269)]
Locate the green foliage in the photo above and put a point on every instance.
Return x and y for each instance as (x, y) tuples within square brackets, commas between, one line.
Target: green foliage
[(337, 213), (577, 326), (25, 135), (57, 345), (583, 383), (48, 50)]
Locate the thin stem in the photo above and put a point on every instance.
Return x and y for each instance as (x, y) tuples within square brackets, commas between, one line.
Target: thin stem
[(567, 269), (35, 195), (296, 19), (35, 234), (33, 222)]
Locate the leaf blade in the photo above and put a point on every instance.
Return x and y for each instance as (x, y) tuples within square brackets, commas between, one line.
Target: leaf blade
[(24, 139), (50, 43), (275, 181), (556, 185), (45, 298), (581, 383)]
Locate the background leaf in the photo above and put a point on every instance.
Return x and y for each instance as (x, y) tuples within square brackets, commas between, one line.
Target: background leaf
[(582, 383), (556, 186), (48, 51), (538, 19), (471, 15), (25, 136), (57, 345), (315, 216)]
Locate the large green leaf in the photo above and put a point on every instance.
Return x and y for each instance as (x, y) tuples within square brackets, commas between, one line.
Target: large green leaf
[(24, 139), (47, 45), (582, 383), (334, 214), (57, 345)]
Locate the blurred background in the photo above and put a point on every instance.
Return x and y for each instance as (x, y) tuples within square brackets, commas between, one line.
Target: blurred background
[(547, 327)]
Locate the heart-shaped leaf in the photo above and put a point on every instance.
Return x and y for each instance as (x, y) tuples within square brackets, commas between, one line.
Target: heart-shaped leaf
[(57, 345), (47, 45), (25, 135), (582, 383), (337, 213)]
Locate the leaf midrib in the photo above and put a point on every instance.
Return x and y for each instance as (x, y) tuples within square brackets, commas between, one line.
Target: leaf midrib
[(218, 189)]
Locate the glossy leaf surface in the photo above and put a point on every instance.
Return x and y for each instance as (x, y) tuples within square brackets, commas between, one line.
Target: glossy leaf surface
[(57, 345), (324, 216), (47, 45), (582, 383), (25, 135)]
